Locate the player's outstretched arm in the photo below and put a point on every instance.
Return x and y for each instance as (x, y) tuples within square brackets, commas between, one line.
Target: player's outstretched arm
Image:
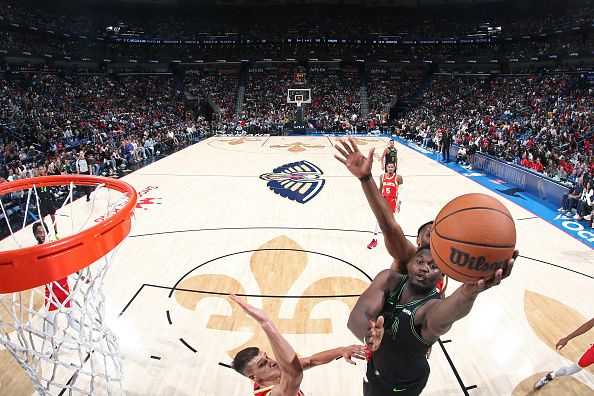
[(438, 317), (579, 331), (360, 166), (348, 352), (288, 362), (369, 306)]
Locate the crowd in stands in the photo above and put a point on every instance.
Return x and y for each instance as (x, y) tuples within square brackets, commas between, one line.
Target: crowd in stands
[(335, 101), (49, 119), (219, 87), (385, 90), (542, 122)]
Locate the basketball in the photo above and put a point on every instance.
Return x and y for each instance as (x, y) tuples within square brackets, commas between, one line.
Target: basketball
[(473, 236)]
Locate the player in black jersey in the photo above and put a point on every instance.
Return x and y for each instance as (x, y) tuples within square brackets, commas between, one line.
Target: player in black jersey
[(46, 203), (400, 316), (390, 156)]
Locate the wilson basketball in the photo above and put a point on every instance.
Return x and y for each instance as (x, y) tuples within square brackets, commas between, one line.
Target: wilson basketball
[(473, 236)]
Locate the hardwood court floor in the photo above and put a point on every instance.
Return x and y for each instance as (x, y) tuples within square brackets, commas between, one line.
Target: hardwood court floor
[(208, 224)]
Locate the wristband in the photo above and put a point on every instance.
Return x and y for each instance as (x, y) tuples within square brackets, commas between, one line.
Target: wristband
[(365, 178)]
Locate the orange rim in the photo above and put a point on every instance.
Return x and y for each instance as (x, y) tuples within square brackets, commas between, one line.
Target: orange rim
[(30, 267)]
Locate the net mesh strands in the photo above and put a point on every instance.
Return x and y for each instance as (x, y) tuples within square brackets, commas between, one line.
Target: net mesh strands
[(56, 330)]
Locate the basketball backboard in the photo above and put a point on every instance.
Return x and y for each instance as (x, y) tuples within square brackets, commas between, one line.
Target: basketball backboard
[(294, 94)]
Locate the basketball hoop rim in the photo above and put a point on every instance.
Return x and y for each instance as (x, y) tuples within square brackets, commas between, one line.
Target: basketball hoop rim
[(30, 267)]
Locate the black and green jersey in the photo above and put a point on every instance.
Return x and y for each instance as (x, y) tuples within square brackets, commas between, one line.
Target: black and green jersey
[(400, 363), (392, 156)]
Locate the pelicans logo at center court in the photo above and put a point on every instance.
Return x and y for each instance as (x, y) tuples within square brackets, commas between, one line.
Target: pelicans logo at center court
[(297, 181)]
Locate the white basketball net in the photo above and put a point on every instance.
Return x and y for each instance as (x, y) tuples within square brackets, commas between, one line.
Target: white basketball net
[(57, 332)]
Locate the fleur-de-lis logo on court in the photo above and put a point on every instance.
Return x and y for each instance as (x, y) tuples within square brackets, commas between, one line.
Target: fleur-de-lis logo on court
[(240, 140), (279, 268), (298, 147)]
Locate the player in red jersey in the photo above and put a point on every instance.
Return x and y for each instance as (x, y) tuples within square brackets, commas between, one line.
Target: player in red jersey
[(587, 359), (391, 188), (283, 376), (56, 293)]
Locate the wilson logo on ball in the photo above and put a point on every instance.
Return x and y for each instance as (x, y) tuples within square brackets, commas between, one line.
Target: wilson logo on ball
[(479, 263)]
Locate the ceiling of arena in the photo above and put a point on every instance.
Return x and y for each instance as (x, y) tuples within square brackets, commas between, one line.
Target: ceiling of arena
[(399, 3)]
